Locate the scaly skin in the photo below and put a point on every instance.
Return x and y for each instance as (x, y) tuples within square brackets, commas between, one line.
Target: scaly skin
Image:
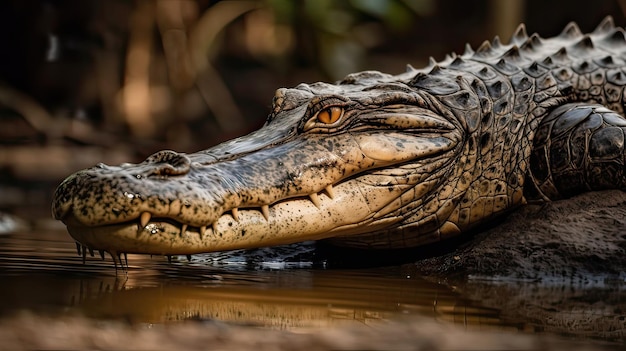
[(379, 161)]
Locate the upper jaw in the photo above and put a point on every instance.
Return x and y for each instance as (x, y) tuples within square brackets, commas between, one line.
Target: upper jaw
[(106, 195), (352, 206), (250, 228), (176, 187)]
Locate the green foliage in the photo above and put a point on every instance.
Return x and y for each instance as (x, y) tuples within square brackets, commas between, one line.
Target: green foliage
[(339, 33)]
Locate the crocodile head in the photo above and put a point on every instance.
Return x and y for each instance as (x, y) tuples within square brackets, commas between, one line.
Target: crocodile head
[(371, 162)]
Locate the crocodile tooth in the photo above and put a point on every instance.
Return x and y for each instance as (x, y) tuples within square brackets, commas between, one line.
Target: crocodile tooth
[(235, 213), (315, 199), (265, 210), (101, 252), (145, 219), (330, 191), (183, 229), (91, 251), (78, 248), (202, 230), (125, 268), (114, 260)]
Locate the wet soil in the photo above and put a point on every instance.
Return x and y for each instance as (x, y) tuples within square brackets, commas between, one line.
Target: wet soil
[(572, 239), (28, 332)]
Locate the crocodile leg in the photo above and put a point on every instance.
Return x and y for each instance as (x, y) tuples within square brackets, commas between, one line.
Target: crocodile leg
[(577, 148)]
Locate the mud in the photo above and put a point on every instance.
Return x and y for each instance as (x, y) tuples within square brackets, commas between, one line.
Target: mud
[(31, 332), (575, 239)]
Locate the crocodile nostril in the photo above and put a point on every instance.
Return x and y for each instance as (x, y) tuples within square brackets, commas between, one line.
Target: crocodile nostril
[(169, 162)]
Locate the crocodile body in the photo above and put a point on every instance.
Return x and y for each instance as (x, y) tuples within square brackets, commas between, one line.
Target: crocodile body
[(379, 161)]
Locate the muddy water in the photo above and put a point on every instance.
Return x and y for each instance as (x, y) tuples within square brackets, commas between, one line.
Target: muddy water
[(45, 275), (41, 273)]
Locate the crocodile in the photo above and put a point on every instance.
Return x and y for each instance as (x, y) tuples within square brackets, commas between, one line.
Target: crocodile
[(379, 161)]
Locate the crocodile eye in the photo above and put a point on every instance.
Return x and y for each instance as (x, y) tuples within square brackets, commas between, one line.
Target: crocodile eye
[(330, 115)]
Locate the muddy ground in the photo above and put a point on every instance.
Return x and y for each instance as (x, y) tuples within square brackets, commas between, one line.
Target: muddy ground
[(571, 239), (29, 332)]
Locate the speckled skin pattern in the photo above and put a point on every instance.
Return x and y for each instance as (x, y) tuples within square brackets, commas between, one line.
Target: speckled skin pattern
[(412, 159)]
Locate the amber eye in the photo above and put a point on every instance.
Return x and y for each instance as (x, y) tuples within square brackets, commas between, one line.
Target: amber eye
[(330, 115)]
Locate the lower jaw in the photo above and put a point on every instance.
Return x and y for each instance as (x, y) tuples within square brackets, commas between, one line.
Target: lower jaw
[(156, 238), (166, 237), (287, 223)]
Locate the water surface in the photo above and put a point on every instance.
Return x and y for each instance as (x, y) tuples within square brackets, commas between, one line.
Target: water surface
[(42, 273)]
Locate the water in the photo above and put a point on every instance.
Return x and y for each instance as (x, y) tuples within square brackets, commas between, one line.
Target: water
[(42, 273), (45, 275)]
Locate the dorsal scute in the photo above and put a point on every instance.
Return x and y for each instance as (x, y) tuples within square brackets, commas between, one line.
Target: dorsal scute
[(495, 43), (571, 30), (458, 61), (605, 26), (548, 62), (532, 43), (536, 55), (586, 43), (436, 69), (520, 35), (607, 61), (431, 62), (561, 54), (468, 50), (535, 70), (512, 53), (484, 49), (616, 37)]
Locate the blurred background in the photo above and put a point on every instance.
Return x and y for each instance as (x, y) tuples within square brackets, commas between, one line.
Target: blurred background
[(88, 81)]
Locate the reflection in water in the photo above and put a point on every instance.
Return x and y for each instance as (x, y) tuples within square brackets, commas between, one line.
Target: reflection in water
[(46, 276), (593, 308)]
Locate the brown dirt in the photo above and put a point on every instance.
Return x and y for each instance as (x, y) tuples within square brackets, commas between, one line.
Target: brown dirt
[(570, 239), (31, 332)]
